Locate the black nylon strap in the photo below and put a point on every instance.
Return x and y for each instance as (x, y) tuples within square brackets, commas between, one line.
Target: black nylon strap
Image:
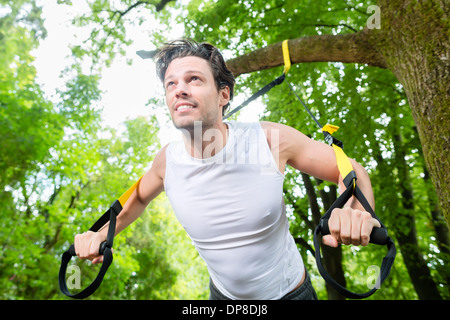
[(105, 249), (378, 236), (255, 96)]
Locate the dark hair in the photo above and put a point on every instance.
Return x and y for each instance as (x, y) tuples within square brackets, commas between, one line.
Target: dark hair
[(223, 77)]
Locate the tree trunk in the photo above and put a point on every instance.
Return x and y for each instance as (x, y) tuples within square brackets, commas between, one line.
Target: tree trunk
[(440, 227), (413, 38), (406, 234), (413, 43)]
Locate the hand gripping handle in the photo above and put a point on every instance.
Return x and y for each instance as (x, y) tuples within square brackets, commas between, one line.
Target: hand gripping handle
[(101, 249), (104, 249), (107, 260), (377, 236)]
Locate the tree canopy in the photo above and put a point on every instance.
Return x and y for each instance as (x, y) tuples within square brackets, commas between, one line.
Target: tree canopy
[(61, 168)]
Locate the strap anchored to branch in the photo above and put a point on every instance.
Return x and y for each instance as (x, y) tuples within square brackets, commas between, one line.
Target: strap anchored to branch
[(268, 87), (377, 236)]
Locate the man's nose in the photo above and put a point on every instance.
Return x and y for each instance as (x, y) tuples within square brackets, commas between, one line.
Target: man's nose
[(182, 90)]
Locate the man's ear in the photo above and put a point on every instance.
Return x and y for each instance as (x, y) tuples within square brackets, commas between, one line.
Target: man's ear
[(224, 96)]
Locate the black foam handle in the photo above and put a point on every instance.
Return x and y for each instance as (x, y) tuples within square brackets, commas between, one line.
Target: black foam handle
[(72, 250), (377, 236), (101, 249)]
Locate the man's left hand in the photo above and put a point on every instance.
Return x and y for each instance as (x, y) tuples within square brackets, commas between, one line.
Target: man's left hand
[(350, 226)]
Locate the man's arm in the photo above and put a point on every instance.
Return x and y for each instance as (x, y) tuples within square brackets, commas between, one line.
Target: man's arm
[(349, 225), (150, 186)]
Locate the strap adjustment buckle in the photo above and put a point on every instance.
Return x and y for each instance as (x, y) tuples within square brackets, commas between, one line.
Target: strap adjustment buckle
[(328, 131), (350, 179), (332, 140)]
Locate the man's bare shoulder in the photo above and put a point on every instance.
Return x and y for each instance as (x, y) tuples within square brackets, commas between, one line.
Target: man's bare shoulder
[(280, 128), (269, 125), (281, 134), (159, 163)]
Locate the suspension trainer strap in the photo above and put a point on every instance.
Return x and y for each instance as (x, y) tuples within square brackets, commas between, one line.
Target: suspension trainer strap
[(268, 87), (105, 247), (255, 96), (378, 235), (286, 56)]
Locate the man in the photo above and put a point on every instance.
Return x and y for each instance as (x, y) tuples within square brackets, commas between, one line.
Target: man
[(225, 181)]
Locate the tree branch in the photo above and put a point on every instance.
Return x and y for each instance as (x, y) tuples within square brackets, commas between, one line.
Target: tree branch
[(305, 245), (328, 25), (346, 48), (120, 14), (162, 4)]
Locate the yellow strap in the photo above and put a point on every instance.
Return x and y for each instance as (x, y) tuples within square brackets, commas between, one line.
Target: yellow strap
[(330, 128), (123, 198), (287, 59), (343, 162)]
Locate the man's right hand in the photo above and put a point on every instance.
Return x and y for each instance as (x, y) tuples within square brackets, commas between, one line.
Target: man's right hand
[(87, 246)]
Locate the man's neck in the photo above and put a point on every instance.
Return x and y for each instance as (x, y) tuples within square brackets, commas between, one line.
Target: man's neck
[(202, 143)]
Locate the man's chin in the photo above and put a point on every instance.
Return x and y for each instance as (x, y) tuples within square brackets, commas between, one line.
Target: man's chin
[(192, 124), (187, 125)]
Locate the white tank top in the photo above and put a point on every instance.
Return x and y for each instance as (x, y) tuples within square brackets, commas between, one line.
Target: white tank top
[(231, 205)]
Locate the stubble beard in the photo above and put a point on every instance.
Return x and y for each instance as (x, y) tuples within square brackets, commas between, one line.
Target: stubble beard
[(193, 127)]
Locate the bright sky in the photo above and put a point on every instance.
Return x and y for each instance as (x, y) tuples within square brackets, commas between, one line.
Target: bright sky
[(127, 88)]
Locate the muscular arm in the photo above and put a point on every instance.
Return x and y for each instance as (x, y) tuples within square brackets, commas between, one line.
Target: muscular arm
[(151, 185), (350, 225)]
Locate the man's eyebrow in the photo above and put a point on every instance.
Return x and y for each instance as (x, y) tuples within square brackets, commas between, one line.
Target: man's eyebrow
[(170, 76)]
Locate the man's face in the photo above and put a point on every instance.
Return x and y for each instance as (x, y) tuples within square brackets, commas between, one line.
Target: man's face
[(192, 95)]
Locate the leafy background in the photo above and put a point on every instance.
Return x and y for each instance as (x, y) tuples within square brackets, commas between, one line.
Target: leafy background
[(61, 168)]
